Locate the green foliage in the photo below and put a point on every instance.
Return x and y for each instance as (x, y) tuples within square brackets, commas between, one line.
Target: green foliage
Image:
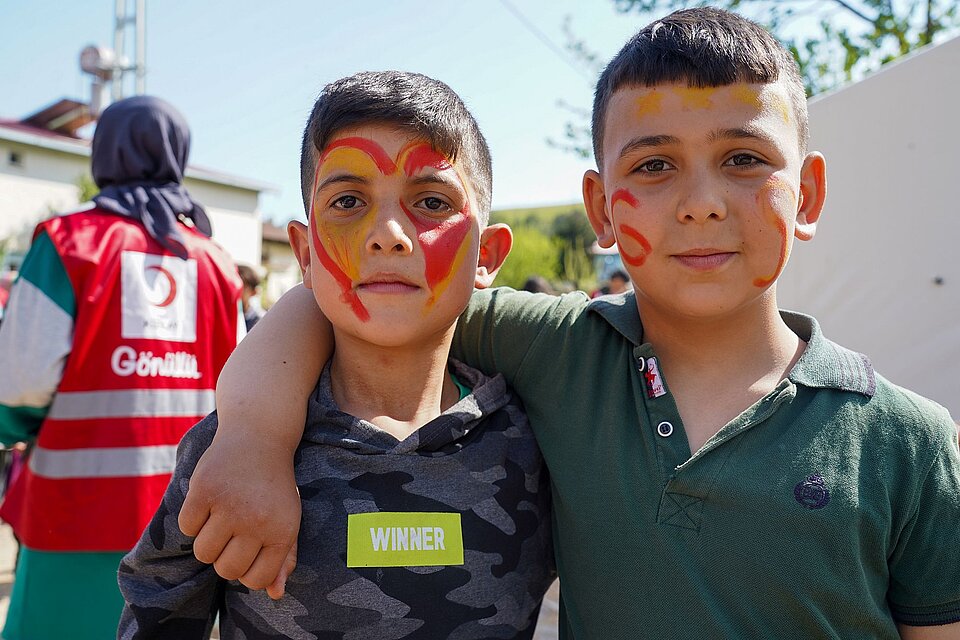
[(853, 37), (86, 187), (533, 254), (548, 241)]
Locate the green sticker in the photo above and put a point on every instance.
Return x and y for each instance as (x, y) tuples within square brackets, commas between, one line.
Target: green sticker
[(391, 539)]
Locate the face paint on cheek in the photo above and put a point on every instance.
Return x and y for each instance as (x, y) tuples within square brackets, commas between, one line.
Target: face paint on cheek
[(773, 190), (634, 247), (444, 246), (332, 263)]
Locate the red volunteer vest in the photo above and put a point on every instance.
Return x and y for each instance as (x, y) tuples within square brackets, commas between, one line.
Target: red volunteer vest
[(151, 334)]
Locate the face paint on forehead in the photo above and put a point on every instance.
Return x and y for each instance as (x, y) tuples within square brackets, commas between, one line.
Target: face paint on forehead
[(776, 188), (634, 247), (649, 104), (371, 149), (695, 97), (420, 155), (761, 100)]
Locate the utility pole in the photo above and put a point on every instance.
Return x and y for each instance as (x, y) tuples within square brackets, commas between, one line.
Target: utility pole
[(123, 21)]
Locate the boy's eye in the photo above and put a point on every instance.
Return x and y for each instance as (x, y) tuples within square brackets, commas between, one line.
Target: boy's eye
[(657, 165), (743, 160), (432, 203), (347, 202)]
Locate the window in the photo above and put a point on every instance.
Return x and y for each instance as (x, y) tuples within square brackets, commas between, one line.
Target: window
[(15, 159)]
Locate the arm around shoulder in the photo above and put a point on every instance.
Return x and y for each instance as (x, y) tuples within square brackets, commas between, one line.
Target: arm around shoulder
[(246, 516), (167, 592)]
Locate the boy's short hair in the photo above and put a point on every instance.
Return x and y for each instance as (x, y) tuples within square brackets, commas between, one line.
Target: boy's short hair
[(409, 101), (705, 47)]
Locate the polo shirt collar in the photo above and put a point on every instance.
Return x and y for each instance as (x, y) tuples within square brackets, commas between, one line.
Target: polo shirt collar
[(823, 365)]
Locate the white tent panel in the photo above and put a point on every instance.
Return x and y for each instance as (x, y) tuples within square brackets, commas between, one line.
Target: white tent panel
[(882, 274)]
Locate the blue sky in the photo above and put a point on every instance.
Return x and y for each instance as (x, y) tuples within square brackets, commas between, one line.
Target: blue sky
[(245, 74)]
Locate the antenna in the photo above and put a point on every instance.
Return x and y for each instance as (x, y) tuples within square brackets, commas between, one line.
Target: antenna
[(112, 65)]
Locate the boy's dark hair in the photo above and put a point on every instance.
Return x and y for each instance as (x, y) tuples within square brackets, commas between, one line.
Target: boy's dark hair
[(705, 47), (409, 101)]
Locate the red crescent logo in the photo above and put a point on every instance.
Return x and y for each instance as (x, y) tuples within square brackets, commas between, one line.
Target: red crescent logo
[(171, 296)]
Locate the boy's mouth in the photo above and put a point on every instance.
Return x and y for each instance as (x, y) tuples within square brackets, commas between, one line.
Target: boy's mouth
[(704, 259), (387, 283)]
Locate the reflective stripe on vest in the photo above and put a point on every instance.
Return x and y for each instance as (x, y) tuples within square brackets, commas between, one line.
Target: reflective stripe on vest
[(113, 462), (134, 403)]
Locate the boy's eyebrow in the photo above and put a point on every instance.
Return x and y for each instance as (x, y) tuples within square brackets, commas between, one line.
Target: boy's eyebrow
[(436, 178), (348, 178), (643, 142), (738, 133)]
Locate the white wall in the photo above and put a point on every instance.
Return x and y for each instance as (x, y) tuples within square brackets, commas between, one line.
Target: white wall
[(43, 185), (891, 226), (46, 184)]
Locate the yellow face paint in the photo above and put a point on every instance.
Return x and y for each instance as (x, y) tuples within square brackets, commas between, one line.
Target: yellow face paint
[(649, 104), (776, 188), (747, 95), (695, 97)]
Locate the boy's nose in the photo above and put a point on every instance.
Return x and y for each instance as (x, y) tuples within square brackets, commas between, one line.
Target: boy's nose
[(702, 199), (388, 234)]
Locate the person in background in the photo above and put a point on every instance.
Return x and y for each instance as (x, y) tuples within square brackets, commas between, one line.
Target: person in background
[(114, 336), (538, 284), (619, 282), (252, 310)]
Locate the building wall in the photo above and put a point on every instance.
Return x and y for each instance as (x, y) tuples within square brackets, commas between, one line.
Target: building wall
[(882, 274), (46, 183)]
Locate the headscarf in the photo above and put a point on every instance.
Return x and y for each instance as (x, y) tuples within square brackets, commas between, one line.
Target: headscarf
[(140, 150)]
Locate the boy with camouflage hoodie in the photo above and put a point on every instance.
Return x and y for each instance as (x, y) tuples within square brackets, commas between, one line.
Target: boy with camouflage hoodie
[(425, 503)]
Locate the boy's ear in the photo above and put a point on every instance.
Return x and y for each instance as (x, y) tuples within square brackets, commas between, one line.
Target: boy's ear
[(495, 243), (813, 193), (595, 202), (299, 237)]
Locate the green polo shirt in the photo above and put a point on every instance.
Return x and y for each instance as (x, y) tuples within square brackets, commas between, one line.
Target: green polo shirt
[(830, 508)]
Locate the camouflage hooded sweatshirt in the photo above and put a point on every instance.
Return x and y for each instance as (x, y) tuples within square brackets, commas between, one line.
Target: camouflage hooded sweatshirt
[(443, 535)]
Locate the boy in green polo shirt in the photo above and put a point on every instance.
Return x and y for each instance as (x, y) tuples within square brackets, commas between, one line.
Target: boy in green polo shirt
[(718, 467)]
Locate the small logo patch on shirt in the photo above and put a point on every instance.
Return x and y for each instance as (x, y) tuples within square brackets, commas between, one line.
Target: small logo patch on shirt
[(654, 381), (812, 492), (404, 539)]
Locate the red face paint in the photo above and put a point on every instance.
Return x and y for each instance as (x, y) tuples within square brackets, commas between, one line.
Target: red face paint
[(348, 295), (422, 155), (375, 152), (442, 241), (784, 245), (632, 258), (771, 189)]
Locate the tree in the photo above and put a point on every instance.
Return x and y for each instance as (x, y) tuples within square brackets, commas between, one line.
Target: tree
[(853, 37), (833, 41), (533, 254), (86, 188)]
